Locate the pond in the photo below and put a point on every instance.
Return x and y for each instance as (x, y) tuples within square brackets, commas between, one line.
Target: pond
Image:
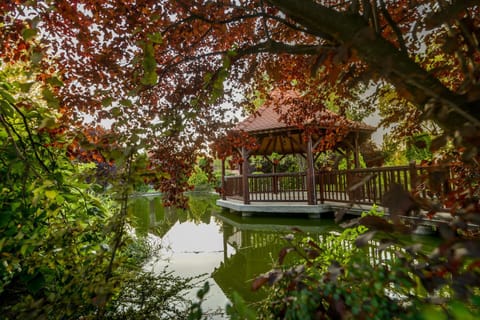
[(231, 250)]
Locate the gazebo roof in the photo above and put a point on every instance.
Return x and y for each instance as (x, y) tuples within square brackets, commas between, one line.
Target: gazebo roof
[(275, 135), (267, 119)]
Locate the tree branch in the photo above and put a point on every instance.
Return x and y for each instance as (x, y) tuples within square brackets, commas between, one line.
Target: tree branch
[(449, 12), (381, 56), (394, 27), (269, 46)]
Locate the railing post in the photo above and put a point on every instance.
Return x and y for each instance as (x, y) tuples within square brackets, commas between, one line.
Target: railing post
[(413, 176), (246, 194), (274, 179), (321, 174)]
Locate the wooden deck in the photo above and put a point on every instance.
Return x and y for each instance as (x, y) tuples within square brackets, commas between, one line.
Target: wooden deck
[(359, 186), (312, 211), (354, 190), (319, 210)]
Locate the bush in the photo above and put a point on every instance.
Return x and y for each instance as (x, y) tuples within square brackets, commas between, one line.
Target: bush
[(360, 275), (64, 249)]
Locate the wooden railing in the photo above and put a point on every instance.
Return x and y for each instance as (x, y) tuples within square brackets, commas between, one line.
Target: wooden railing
[(269, 187), (363, 186), (278, 187), (233, 186)]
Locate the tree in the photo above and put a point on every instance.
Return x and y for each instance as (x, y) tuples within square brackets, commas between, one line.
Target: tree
[(165, 72), (168, 69)]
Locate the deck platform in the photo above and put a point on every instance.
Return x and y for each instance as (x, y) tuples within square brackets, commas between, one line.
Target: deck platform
[(313, 211), (424, 223)]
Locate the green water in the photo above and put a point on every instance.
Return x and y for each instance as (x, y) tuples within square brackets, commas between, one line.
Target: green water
[(231, 250)]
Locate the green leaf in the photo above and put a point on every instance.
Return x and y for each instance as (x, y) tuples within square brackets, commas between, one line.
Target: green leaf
[(107, 101), (7, 96), (149, 79), (49, 123), (36, 57), (432, 312), (155, 37), (55, 81), (126, 102), (36, 283), (27, 34), (6, 108), (116, 111), (239, 309), (25, 87), (149, 64), (460, 311), (49, 96), (51, 194), (5, 218)]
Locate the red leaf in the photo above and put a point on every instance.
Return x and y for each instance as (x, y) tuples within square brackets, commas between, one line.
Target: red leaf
[(283, 253), (259, 282)]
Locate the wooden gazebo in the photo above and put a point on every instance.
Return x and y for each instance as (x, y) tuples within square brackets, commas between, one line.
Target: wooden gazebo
[(318, 132)]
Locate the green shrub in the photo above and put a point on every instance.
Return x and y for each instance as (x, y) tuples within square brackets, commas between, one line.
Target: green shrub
[(362, 274)]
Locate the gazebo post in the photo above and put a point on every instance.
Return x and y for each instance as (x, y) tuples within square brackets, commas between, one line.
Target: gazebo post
[(246, 194), (356, 152), (310, 174), (348, 153), (224, 195)]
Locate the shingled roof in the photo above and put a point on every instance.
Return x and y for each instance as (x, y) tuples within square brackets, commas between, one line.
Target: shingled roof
[(267, 119), (275, 135)]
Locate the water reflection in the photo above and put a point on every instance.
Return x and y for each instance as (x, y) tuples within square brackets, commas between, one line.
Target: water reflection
[(231, 250), (256, 242)]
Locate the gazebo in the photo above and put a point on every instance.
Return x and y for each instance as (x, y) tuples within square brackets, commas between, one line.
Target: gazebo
[(318, 132)]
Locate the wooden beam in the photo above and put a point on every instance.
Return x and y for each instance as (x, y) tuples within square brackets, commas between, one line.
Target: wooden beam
[(301, 144), (282, 147), (356, 151), (270, 140), (315, 145), (292, 144)]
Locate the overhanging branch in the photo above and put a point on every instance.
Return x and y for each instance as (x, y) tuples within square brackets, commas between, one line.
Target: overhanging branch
[(381, 56)]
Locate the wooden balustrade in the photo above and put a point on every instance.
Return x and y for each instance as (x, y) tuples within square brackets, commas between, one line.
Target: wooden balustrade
[(363, 186), (278, 187), (233, 186)]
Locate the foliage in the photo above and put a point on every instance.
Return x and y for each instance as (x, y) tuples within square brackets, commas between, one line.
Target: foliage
[(164, 73), (418, 147), (148, 294), (64, 246), (285, 163), (395, 154), (151, 296), (196, 312), (54, 230), (356, 275), (203, 181)]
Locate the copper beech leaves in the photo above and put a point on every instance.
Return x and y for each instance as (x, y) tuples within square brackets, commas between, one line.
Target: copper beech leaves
[(162, 55), (398, 201)]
